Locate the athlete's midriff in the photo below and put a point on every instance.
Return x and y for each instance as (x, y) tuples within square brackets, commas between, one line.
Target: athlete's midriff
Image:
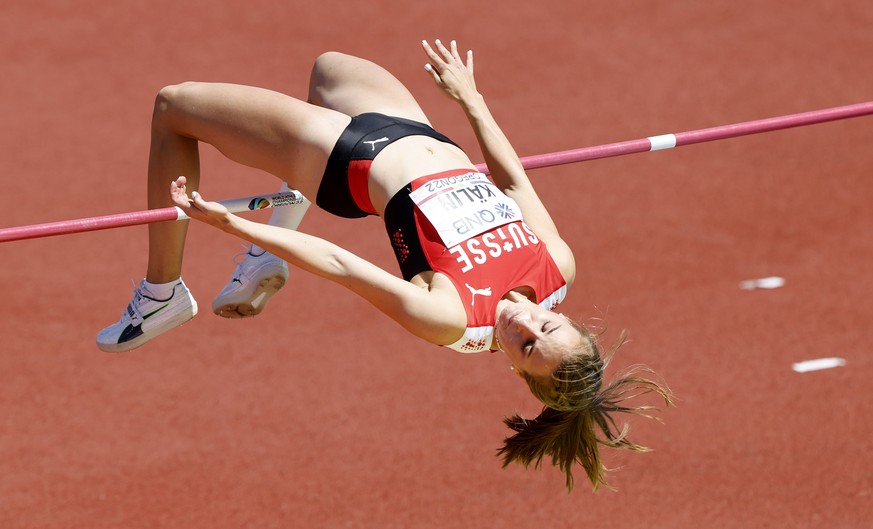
[(406, 160)]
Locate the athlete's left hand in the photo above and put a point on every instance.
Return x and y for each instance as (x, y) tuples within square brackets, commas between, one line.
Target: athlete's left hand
[(449, 72), (211, 213)]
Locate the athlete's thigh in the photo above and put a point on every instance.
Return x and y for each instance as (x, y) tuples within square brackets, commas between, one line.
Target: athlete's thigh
[(256, 127), (352, 85)]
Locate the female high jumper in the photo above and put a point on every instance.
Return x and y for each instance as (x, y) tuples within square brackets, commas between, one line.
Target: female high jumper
[(482, 262)]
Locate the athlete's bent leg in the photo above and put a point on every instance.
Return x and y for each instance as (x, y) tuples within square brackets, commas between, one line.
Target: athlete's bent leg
[(259, 128), (352, 85), (255, 127)]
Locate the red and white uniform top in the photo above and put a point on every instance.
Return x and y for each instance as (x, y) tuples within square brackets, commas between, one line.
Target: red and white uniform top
[(475, 235)]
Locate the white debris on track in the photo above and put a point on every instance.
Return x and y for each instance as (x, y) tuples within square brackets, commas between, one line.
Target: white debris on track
[(818, 364), (764, 283)]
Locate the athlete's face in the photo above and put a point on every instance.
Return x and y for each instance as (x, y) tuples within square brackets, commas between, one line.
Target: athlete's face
[(535, 340)]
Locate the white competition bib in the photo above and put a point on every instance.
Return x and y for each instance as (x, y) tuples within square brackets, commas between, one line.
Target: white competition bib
[(463, 206)]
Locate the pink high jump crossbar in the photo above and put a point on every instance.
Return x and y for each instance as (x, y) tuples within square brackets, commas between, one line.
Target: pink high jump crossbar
[(651, 143)]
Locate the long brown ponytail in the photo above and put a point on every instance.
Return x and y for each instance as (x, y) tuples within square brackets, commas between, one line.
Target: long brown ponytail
[(576, 409)]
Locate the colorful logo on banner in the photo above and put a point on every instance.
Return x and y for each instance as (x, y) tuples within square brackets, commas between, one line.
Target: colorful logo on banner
[(259, 203)]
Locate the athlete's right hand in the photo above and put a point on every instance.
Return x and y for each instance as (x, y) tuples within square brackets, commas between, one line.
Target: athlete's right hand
[(195, 207)]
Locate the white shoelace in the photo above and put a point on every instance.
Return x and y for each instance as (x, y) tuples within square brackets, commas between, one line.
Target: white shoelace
[(132, 312), (240, 257)]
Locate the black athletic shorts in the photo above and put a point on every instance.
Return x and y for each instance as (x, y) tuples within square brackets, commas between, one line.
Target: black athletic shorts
[(343, 189)]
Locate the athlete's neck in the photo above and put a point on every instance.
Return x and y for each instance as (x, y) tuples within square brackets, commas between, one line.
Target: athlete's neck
[(519, 294)]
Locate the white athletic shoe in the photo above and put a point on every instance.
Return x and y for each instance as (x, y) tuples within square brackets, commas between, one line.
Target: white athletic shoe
[(146, 318), (255, 280)]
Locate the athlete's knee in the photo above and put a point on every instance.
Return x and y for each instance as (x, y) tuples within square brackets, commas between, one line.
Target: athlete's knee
[(329, 61), (168, 101), (330, 70), (322, 71)]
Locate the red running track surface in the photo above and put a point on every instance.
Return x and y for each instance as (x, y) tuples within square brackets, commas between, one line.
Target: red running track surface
[(320, 412)]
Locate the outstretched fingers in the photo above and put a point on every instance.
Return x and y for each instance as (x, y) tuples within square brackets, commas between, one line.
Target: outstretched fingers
[(456, 57), (443, 57), (196, 207), (448, 70), (179, 194)]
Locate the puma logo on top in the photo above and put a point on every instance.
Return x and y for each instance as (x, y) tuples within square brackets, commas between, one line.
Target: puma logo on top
[(374, 142), (476, 291)]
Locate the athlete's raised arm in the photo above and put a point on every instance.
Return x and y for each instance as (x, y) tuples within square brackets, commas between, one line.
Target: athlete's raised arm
[(455, 78)]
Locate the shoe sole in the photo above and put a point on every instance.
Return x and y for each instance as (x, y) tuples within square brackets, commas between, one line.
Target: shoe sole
[(254, 304)]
